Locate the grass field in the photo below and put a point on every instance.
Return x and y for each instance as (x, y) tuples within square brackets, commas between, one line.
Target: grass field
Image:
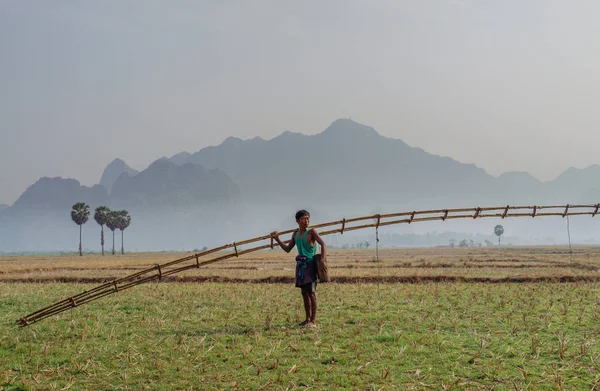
[(478, 319)]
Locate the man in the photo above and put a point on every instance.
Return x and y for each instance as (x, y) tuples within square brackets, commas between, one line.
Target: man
[(306, 240)]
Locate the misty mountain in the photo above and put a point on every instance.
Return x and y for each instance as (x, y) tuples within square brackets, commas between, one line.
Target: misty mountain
[(162, 184), (59, 193), (573, 186), (577, 184), (245, 188), (165, 184), (40, 219), (181, 158), (3, 206), (351, 165), (113, 171), (346, 164), (516, 187), (172, 207), (518, 179)]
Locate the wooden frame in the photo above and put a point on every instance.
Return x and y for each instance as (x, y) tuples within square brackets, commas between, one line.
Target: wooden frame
[(157, 272)]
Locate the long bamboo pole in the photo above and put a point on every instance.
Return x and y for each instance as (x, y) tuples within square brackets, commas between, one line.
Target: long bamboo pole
[(157, 272)]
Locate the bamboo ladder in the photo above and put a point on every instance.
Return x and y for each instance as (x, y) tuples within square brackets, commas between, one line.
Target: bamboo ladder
[(157, 272)]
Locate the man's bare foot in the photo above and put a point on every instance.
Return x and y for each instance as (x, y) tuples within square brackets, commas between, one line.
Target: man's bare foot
[(311, 325), (302, 324)]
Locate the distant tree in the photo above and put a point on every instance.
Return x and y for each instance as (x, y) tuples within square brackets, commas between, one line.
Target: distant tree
[(498, 230), (463, 243), (367, 244), (488, 243), (101, 217), (452, 242), (123, 221), (80, 214), (111, 223)]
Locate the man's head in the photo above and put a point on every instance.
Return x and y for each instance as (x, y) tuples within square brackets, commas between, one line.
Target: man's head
[(303, 218)]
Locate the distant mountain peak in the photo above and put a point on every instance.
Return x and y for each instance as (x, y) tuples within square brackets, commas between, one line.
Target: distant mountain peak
[(232, 140), (118, 163), (592, 173), (60, 192), (181, 158), (113, 171), (167, 184), (348, 127), (286, 135), (236, 142), (517, 174)]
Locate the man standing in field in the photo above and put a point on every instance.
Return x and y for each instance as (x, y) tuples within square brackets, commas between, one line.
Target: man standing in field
[(306, 269)]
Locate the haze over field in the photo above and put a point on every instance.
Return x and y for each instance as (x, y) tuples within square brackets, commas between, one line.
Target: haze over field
[(233, 191), (239, 97)]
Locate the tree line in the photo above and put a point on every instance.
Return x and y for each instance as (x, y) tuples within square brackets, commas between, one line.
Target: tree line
[(113, 219)]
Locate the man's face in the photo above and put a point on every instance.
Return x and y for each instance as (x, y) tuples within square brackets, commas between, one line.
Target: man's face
[(304, 221)]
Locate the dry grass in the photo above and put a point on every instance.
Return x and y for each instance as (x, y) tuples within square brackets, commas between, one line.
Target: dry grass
[(541, 336), (223, 336), (478, 264)]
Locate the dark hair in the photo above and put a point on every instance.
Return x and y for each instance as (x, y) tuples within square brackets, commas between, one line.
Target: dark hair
[(301, 213)]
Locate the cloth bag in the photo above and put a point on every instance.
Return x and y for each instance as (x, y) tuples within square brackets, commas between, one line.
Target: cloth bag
[(322, 273)]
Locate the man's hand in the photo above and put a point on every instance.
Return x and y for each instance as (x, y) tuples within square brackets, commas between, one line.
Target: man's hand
[(275, 235)]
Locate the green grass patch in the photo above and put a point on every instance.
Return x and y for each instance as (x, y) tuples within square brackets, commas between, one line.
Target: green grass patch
[(244, 336)]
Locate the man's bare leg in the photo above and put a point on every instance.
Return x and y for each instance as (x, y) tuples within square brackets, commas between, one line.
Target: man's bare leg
[(312, 299), (307, 308)]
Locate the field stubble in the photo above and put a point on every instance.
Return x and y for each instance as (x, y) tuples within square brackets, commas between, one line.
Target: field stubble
[(223, 335), (486, 263)]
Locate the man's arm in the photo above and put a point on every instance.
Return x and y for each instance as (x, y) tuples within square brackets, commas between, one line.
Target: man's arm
[(317, 238), (286, 247)]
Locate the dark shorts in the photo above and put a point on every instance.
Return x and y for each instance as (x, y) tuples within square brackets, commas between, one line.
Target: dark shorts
[(309, 288), (309, 273)]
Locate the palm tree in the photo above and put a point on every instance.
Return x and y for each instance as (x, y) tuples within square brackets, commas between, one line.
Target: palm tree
[(123, 221), (111, 223), (79, 215), (498, 230), (101, 217)]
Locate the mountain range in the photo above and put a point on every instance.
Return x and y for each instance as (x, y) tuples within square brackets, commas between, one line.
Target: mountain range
[(349, 168), (350, 162)]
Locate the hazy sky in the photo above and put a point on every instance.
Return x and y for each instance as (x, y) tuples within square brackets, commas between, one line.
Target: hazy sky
[(507, 85)]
